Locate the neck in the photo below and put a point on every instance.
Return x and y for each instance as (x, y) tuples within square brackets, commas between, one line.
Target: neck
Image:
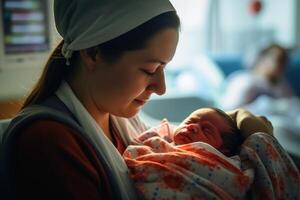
[(102, 118), (103, 122)]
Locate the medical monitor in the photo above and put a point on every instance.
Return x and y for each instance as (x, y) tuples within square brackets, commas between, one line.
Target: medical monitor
[(25, 36)]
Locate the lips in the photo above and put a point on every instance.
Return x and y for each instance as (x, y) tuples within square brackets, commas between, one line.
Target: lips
[(141, 101), (183, 136)]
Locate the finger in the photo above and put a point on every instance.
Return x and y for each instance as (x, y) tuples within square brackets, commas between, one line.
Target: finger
[(232, 114), (164, 120), (268, 123), (263, 117), (265, 120)]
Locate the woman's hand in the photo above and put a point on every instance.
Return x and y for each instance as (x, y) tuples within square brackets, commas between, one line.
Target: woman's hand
[(248, 123)]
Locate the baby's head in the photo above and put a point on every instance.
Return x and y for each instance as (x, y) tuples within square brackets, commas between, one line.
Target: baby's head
[(212, 126)]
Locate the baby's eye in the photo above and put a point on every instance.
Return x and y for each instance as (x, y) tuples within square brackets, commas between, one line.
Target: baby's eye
[(206, 130), (193, 120)]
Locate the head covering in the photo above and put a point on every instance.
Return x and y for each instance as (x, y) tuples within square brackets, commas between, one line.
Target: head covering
[(87, 23)]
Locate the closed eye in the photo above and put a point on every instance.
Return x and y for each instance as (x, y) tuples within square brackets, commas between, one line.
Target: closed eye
[(193, 120), (206, 130), (148, 72), (152, 70)]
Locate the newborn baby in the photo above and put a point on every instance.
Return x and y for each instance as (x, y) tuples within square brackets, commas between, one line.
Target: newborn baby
[(186, 163), (212, 126), (209, 125)]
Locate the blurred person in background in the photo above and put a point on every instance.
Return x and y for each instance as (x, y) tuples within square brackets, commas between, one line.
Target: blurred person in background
[(265, 77)]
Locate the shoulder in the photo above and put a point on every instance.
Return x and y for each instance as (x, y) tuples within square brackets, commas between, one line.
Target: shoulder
[(241, 75), (48, 152), (241, 82), (52, 138), (48, 131), (50, 142)]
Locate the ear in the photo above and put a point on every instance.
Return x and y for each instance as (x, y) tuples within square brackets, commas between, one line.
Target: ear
[(88, 61), (208, 127), (212, 133)]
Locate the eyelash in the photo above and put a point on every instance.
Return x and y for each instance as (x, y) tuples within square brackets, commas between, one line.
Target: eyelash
[(206, 130), (148, 73)]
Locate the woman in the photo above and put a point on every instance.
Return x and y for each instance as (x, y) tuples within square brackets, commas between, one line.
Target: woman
[(67, 141), (115, 52), (265, 77)]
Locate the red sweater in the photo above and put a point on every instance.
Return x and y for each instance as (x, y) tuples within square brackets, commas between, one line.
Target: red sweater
[(54, 162)]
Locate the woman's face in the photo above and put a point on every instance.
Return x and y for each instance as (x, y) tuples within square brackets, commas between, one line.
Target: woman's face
[(273, 63), (123, 87)]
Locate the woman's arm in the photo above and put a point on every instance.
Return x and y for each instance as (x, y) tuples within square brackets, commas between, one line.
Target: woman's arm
[(54, 162), (249, 123)]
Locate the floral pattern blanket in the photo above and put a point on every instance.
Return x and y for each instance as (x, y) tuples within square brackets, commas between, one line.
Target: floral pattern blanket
[(161, 170)]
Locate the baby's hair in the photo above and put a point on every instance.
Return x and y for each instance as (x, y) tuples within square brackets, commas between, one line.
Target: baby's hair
[(231, 139)]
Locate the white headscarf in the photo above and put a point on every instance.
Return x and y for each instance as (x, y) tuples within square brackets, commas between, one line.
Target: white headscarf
[(87, 23)]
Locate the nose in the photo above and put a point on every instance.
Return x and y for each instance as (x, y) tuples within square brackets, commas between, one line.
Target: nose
[(158, 84)]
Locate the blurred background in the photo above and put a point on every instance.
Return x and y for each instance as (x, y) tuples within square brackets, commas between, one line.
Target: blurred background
[(218, 38)]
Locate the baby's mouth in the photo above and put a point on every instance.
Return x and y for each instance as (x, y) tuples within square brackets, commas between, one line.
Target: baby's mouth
[(184, 133), (187, 137)]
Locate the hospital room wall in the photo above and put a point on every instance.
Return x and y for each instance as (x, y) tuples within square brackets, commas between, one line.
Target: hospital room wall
[(277, 21), (297, 22), (16, 82), (19, 74)]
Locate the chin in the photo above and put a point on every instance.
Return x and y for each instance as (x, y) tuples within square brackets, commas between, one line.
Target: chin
[(128, 113)]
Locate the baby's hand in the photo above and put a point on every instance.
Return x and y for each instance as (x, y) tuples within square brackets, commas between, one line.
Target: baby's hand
[(146, 135), (164, 131)]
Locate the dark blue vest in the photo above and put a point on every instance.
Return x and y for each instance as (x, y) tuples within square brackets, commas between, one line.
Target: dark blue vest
[(51, 109)]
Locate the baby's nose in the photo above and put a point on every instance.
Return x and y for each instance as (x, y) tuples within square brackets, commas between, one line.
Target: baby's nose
[(194, 127)]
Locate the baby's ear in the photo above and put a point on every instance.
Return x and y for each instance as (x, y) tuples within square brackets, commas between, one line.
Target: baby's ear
[(208, 126)]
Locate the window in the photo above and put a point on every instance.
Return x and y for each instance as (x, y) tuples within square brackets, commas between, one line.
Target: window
[(191, 72), (211, 27)]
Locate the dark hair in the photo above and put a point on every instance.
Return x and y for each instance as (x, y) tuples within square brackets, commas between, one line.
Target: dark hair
[(232, 139), (56, 71), (266, 50)]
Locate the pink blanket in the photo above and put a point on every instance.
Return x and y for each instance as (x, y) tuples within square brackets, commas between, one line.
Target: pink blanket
[(160, 170)]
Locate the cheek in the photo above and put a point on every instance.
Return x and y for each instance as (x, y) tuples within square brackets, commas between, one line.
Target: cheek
[(219, 143), (217, 140), (202, 138), (130, 86), (180, 139), (120, 87)]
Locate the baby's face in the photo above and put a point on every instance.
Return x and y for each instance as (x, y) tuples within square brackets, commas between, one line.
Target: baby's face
[(205, 125)]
